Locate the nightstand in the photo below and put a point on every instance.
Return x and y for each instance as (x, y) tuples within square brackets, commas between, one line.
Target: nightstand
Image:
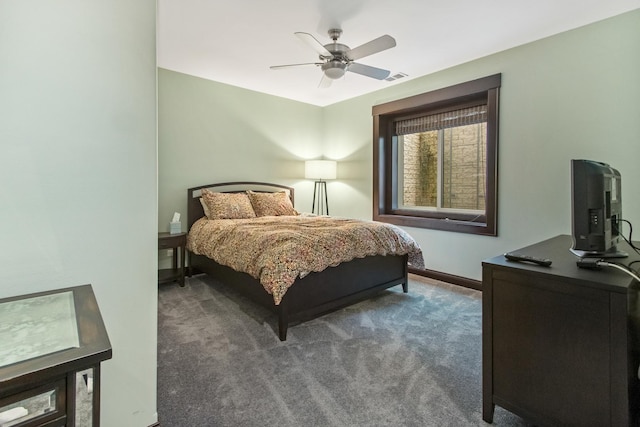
[(178, 243)]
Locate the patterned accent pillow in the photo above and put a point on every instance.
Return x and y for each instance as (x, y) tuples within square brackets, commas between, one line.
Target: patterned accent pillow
[(227, 205), (272, 204)]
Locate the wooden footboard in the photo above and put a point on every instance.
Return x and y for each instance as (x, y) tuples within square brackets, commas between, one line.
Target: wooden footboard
[(317, 293)]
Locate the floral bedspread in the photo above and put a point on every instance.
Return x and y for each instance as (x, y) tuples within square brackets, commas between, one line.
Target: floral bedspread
[(277, 250)]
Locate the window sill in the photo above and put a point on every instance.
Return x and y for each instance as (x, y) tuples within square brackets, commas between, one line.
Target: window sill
[(437, 224)]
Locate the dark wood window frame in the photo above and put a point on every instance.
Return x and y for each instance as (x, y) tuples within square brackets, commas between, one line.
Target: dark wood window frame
[(385, 173)]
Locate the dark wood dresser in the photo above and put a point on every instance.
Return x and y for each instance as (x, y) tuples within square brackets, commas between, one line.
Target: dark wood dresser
[(560, 344)]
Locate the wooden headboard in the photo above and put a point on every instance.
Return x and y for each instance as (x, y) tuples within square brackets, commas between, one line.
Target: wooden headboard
[(194, 207)]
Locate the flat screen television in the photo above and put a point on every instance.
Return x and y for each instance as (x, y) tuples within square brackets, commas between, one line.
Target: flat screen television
[(596, 209)]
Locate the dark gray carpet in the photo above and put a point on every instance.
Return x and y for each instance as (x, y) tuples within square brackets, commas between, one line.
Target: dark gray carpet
[(395, 360)]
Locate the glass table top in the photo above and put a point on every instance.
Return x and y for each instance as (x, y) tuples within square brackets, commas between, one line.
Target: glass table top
[(37, 326)]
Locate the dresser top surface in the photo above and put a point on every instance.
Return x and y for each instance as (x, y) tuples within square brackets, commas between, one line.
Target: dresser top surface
[(564, 266)]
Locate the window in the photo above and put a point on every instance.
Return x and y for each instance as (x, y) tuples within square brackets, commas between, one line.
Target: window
[(435, 159)]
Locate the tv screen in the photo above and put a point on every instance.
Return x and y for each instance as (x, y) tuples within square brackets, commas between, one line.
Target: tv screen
[(596, 209)]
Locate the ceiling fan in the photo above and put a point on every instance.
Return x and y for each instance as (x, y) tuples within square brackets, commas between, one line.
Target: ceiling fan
[(337, 58)]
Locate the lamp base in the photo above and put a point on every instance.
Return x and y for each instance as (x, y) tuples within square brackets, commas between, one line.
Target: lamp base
[(320, 195)]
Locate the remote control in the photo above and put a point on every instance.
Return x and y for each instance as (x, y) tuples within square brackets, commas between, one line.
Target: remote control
[(513, 256)]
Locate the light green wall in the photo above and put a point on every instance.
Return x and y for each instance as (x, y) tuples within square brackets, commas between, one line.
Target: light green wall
[(210, 132), (573, 95), (78, 173)]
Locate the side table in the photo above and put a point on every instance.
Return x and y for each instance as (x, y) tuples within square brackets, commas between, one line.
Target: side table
[(178, 243), (51, 341)]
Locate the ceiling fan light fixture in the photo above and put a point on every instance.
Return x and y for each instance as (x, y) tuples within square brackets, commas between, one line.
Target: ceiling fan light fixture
[(334, 69)]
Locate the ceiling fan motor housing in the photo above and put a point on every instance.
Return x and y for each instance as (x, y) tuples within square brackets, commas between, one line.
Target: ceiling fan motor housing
[(337, 50), (335, 65)]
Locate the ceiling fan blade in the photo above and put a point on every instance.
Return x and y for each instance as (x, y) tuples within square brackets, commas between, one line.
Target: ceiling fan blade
[(369, 71), (313, 43), (278, 67), (325, 82), (374, 46)]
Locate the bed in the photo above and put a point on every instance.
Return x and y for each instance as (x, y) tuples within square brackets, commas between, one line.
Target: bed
[(305, 296)]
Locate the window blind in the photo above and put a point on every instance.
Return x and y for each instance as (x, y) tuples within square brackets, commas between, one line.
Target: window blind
[(448, 119)]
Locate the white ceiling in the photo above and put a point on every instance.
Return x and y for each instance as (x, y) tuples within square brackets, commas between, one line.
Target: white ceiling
[(235, 42)]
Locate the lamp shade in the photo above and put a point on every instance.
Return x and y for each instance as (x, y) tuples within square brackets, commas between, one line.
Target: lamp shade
[(320, 169)]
